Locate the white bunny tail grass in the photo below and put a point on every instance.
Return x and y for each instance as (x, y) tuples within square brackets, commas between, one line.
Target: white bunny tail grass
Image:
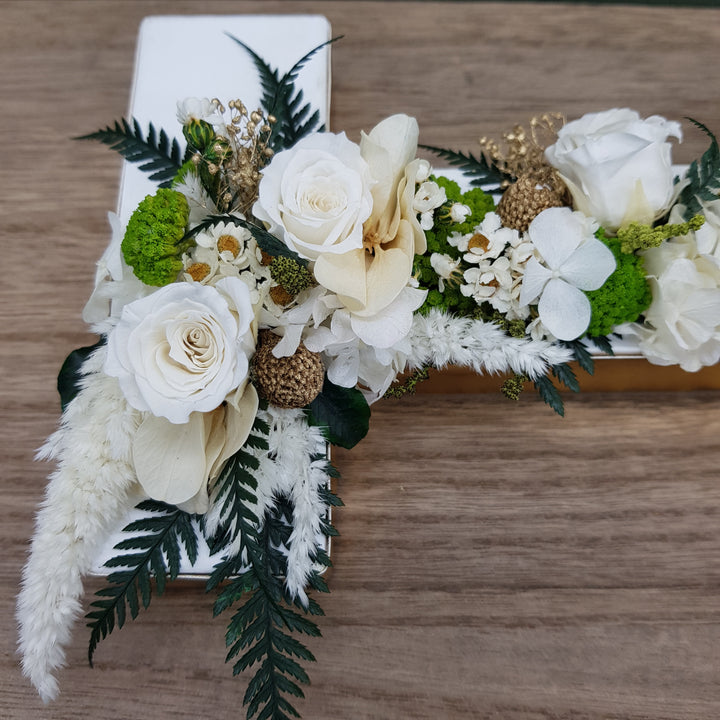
[(87, 493), (300, 455), (439, 339)]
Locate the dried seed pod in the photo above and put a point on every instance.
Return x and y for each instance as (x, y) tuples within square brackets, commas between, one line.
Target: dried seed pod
[(287, 382)]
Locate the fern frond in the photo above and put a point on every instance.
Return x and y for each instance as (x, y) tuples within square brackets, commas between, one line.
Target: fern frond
[(581, 354), (704, 177), (603, 344), (259, 632), (550, 394), (153, 152), (294, 119), (480, 170), (265, 240), (158, 556), (566, 376)]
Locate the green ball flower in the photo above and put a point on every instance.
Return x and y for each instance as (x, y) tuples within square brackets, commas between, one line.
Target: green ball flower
[(153, 244), (625, 295)]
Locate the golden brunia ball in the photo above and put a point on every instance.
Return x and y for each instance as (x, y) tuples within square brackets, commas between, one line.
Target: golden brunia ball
[(524, 200), (287, 382)]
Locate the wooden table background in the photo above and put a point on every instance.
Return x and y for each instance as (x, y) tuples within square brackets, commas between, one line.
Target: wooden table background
[(495, 561)]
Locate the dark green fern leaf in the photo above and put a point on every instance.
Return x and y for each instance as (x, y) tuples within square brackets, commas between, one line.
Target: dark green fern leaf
[(566, 376), (294, 119), (154, 552), (269, 78), (154, 153), (581, 355), (704, 177), (258, 634), (550, 394), (267, 242), (603, 344), (482, 172)]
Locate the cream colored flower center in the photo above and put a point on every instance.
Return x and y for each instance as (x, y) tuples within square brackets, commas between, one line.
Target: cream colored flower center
[(199, 347), (198, 271), (372, 241), (227, 243), (479, 241)]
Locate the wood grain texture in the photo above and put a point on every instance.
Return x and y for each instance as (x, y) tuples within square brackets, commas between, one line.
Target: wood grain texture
[(495, 561)]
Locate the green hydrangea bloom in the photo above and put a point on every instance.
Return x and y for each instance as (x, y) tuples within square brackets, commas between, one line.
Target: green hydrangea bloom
[(153, 244), (625, 295), (451, 299)]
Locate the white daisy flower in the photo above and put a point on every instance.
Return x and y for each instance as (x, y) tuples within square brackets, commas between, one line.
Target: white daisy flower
[(489, 239), (490, 281)]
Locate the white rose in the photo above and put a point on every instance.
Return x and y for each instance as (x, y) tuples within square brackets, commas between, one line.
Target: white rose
[(370, 278), (184, 348), (617, 166), (682, 325), (316, 195)]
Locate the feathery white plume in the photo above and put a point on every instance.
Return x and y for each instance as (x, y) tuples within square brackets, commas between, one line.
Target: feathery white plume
[(86, 495), (440, 339), (289, 467)]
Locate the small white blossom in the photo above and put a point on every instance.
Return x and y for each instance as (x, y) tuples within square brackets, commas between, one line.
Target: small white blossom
[(490, 281), (428, 198), (489, 239), (193, 108), (424, 171), (459, 212), (446, 268), (227, 250)]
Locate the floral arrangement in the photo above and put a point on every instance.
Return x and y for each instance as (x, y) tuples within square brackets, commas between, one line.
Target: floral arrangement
[(282, 279)]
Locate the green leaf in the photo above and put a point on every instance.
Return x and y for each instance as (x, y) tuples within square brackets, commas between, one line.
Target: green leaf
[(154, 153), (581, 354), (480, 170), (603, 344), (68, 382), (265, 240), (550, 394), (255, 630), (343, 413), (162, 531), (704, 177), (566, 376), (294, 120)]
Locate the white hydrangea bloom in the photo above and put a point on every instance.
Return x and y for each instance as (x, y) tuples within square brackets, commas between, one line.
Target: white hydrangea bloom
[(573, 260), (682, 325)]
